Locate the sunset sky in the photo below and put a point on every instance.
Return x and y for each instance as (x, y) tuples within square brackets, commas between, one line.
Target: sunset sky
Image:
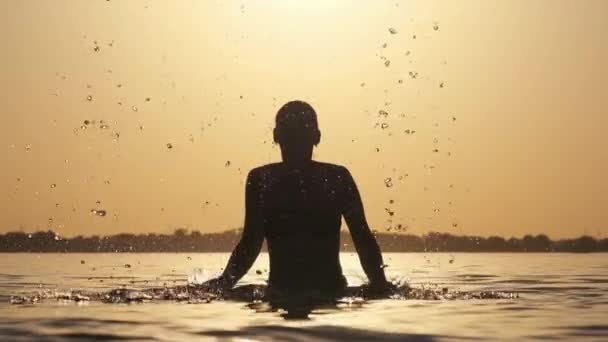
[(497, 110)]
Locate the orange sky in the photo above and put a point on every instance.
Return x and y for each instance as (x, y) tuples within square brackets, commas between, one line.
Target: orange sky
[(525, 80)]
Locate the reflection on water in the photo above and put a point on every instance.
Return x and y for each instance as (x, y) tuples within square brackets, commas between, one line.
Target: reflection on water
[(560, 296)]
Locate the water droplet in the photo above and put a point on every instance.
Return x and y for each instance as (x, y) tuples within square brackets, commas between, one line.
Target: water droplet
[(96, 48), (392, 30), (382, 113), (134, 108), (362, 84), (169, 146), (436, 27), (89, 98), (83, 127), (453, 118), (29, 236), (384, 45), (147, 99), (384, 125), (227, 163), (99, 212), (387, 63), (104, 126), (441, 85), (53, 186), (388, 182)]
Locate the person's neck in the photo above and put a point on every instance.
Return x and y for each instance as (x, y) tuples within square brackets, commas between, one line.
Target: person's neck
[(297, 164)]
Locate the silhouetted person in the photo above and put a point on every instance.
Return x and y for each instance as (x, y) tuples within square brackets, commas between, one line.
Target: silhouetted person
[(297, 205)]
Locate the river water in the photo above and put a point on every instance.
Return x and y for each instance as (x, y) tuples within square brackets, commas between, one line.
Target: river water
[(550, 296)]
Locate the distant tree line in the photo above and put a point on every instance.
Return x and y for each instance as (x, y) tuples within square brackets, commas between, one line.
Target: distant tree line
[(184, 241)]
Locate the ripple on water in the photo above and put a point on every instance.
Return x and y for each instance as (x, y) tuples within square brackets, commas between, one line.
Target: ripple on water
[(599, 330), (593, 280)]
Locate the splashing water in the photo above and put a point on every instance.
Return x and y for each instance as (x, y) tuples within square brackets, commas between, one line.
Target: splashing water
[(99, 212), (199, 276), (194, 293)]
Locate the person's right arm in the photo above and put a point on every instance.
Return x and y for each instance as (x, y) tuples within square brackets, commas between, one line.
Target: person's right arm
[(248, 248)]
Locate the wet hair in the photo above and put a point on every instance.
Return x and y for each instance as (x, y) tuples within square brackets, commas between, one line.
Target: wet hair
[(296, 115), (296, 123)]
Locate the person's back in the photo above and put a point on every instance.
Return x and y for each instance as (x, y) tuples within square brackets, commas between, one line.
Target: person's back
[(297, 206), (302, 211)]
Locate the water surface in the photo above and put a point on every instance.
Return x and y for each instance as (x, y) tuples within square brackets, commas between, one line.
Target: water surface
[(561, 296)]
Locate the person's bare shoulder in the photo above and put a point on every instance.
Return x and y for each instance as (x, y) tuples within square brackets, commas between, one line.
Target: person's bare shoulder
[(338, 172), (262, 172), (330, 167)]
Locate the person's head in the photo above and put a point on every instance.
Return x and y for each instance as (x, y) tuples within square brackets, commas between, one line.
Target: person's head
[(296, 131)]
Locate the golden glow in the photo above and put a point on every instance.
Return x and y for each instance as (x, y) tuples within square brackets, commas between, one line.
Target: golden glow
[(526, 86)]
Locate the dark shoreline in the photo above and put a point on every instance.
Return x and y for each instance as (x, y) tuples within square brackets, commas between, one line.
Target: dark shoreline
[(182, 241)]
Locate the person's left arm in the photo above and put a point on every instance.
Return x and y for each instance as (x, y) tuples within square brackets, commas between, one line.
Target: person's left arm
[(365, 242)]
